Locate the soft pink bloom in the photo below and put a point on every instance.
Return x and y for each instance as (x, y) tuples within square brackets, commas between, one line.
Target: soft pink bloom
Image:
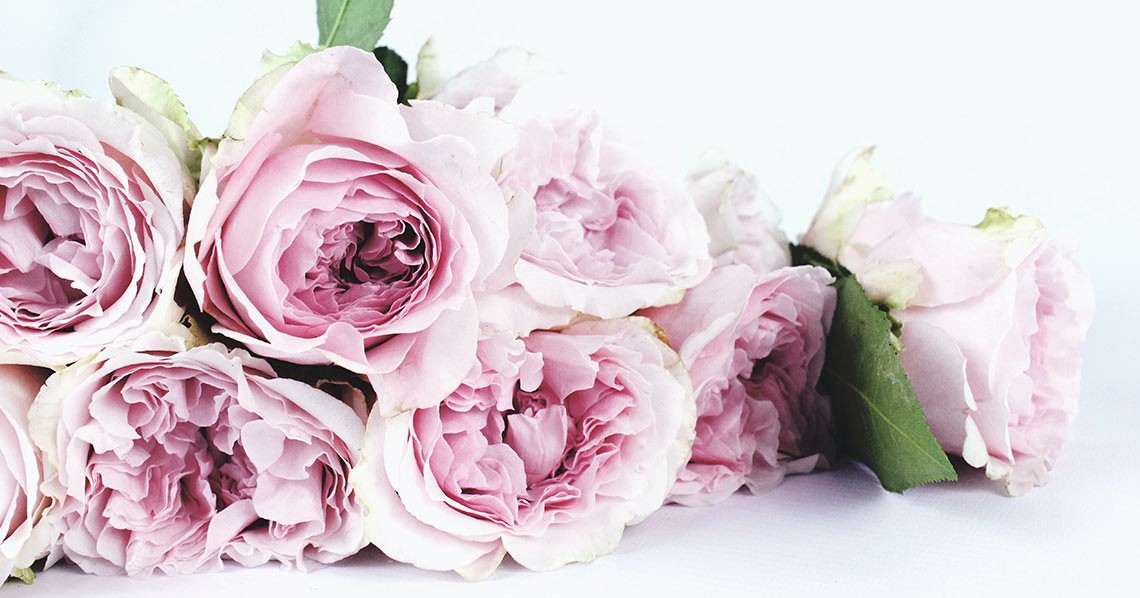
[(755, 346), (609, 233), (551, 446), (338, 227), (743, 225), (993, 320), (91, 212), (24, 537), (171, 459)]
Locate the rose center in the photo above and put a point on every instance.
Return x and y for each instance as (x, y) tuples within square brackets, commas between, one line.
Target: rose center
[(538, 432), (369, 265), (45, 261)]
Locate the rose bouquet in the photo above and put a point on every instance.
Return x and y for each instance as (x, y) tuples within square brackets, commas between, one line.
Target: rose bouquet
[(469, 318)]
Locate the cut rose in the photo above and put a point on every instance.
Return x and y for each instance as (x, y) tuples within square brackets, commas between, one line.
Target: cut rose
[(171, 459), (338, 227), (609, 233), (551, 446), (993, 319), (755, 346), (91, 208)]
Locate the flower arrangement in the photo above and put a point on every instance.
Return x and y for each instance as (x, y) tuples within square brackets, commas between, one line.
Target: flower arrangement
[(469, 319)]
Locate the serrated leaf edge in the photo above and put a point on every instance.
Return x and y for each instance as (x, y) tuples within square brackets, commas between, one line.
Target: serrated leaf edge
[(939, 459)]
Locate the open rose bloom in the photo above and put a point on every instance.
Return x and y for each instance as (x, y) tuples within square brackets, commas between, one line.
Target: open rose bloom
[(752, 335), (550, 447), (338, 227), (24, 536), (993, 318), (171, 459), (600, 229), (91, 208), (754, 345)]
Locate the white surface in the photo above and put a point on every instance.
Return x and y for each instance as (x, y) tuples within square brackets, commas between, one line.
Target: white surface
[(973, 105)]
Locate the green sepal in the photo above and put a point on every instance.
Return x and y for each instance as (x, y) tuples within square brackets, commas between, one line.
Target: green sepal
[(23, 574), (997, 219)]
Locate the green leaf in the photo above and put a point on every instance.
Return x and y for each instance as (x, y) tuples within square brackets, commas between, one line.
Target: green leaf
[(358, 23), (877, 416), (802, 255), (396, 68)]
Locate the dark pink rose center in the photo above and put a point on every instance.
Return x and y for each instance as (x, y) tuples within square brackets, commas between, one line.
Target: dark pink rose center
[(367, 262)]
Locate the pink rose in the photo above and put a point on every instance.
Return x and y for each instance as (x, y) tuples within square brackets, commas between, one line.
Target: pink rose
[(170, 459), (743, 225), (610, 233), (550, 447), (993, 319), (91, 226), (24, 537), (754, 345), (338, 227)]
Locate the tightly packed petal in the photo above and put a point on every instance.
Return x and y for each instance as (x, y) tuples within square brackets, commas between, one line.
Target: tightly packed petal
[(91, 208), (754, 345), (993, 319), (171, 460), (24, 537), (610, 234), (551, 446), (337, 227)]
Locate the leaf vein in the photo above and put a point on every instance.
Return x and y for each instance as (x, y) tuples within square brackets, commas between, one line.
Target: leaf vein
[(336, 24), (933, 458)]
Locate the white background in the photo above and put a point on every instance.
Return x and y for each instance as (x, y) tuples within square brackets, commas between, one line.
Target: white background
[(970, 104)]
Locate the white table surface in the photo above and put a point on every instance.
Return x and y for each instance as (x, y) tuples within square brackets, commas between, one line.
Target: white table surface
[(971, 106)]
